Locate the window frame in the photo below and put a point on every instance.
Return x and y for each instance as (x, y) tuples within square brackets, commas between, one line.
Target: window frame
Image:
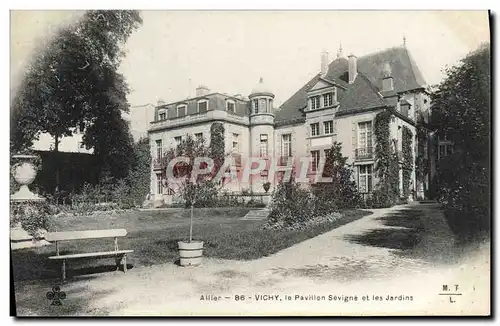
[(159, 184), (235, 140), (316, 127), (315, 102), (264, 144), (368, 178), (198, 105), (445, 146), (284, 143), (315, 160), (255, 105), (159, 148), (330, 123), (181, 106), (369, 144), (328, 95), (198, 135), (234, 106), (263, 104)]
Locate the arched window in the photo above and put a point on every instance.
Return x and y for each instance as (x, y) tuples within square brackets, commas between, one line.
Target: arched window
[(263, 104), (255, 106)]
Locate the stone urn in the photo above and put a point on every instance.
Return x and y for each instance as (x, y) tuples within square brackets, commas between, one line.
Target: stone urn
[(24, 172)]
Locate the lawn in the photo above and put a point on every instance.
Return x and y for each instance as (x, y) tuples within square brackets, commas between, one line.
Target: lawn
[(153, 236)]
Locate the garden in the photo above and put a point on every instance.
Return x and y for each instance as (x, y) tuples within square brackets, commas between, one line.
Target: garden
[(153, 235), (295, 215)]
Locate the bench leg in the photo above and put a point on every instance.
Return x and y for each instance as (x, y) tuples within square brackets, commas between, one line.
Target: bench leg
[(118, 260), (124, 263), (63, 270)]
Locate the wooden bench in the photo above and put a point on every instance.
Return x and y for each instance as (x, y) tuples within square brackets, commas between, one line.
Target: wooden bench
[(120, 255)]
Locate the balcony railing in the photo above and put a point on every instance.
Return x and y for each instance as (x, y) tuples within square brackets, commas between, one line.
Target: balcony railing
[(283, 160), (237, 159), (364, 153), (157, 163)]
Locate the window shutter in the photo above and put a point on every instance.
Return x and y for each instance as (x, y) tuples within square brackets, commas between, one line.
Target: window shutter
[(278, 150), (294, 145), (354, 138)]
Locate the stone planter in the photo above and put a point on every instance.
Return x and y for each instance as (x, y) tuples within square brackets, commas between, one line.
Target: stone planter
[(190, 253), (24, 172)]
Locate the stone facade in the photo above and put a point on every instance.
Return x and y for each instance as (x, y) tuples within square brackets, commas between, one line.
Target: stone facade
[(339, 104)]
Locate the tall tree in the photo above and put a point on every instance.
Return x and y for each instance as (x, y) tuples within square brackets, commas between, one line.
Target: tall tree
[(74, 82), (461, 111)]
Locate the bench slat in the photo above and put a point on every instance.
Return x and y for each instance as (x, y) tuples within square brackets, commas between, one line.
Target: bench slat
[(93, 254), (89, 234)]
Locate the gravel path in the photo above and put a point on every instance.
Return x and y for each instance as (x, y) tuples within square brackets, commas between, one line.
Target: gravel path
[(312, 277)]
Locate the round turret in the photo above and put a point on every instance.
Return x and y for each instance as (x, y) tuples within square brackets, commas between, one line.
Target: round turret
[(261, 103), (261, 129), (261, 89)]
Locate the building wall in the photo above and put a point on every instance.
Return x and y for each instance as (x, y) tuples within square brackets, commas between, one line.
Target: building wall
[(139, 118), (71, 144), (168, 141)]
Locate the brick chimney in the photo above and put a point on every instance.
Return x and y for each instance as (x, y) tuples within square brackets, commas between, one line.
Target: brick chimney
[(353, 67), (325, 60), (387, 80), (202, 90)]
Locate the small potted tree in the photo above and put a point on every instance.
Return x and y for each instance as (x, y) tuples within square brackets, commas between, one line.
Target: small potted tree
[(191, 251), (193, 188)]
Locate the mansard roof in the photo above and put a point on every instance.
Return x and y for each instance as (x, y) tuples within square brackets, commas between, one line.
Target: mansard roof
[(365, 91)]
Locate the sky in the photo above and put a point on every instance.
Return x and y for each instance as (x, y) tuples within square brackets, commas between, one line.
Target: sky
[(175, 51)]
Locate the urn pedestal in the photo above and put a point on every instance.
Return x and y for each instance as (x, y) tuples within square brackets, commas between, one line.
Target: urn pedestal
[(24, 172)]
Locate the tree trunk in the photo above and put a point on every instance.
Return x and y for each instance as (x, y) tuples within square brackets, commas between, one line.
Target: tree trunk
[(56, 161), (191, 224)]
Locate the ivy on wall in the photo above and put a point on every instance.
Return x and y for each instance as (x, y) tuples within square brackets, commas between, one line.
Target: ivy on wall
[(217, 144), (407, 166), (421, 161), (386, 163)]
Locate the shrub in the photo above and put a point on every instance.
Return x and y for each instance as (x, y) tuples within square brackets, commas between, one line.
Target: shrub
[(462, 113), (33, 216), (245, 192), (255, 204), (207, 194), (341, 192), (266, 186), (465, 197), (291, 204)]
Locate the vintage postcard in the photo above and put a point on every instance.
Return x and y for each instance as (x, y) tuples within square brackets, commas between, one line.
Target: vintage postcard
[(250, 163)]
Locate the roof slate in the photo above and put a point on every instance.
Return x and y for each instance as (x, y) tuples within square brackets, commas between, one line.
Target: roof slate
[(364, 92)]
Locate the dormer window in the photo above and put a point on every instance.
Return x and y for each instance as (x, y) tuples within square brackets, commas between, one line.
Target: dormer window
[(315, 104), (328, 99), (405, 108), (230, 106), (162, 115), (202, 106), (181, 110)]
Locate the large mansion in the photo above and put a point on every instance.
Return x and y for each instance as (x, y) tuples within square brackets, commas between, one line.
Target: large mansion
[(338, 104)]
